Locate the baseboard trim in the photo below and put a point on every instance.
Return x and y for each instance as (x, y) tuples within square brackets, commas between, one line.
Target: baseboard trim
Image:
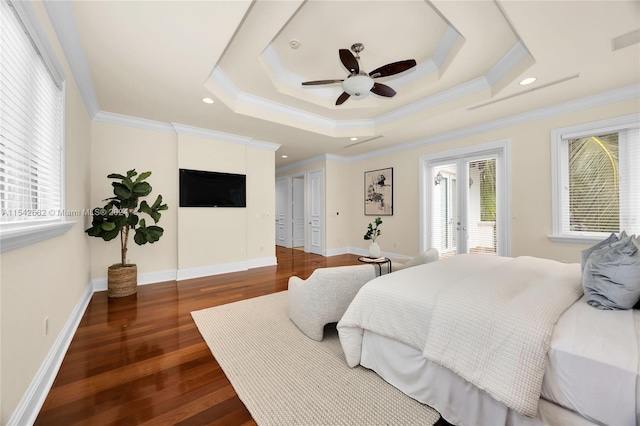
[(33, 399), (100, 284), (205, 271), (262, 262)]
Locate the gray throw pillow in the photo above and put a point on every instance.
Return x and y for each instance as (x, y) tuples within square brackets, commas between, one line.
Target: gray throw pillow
[(586, 252), (611, 277)]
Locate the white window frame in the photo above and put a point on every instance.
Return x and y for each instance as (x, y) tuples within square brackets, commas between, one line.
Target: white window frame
[(560, 172), (19, 234)]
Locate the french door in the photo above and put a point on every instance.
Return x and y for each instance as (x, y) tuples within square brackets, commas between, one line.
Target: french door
[(463, 205)]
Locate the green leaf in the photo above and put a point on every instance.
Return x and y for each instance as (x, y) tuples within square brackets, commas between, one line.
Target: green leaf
[(154, 233), (141, 189), (140, 238), (94, 231), (142, 176), (108, 226), (121, 191), (158, 201), (144, 207), (128, 183), (143, 224), (132, 220), (131, 203), (115, 176), (110, 235), (131, 173)]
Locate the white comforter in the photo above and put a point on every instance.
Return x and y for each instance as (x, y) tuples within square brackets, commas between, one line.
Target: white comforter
[(489, 319)]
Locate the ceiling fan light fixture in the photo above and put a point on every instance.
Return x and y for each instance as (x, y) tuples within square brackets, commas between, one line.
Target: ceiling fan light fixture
[(357, 85)]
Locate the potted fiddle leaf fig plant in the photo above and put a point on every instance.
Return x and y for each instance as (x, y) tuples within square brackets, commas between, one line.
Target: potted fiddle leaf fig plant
[(372, 233), (121, 217)]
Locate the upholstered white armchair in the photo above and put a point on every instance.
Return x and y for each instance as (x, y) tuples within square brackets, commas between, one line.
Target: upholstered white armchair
[(427, 256), (324, 297)]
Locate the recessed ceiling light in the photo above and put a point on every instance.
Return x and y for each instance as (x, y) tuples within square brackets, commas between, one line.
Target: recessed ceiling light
[(354, 139), (527, 81), (285, 156), (294, 44), (208, 100)]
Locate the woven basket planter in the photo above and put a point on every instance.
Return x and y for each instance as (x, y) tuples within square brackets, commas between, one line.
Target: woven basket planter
[(122, 280)]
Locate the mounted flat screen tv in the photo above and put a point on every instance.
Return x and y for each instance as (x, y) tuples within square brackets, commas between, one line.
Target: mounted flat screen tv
[(200, 188)]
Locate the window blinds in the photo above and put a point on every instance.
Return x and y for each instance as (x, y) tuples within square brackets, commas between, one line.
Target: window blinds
[(31, 107), (602, 187)]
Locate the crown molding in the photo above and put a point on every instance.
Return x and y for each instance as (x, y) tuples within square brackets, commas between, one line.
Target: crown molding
[(321, 157), (182, 129), (509, 61), (447, 43), (276, 70), (516, 55), (64, 25), (267, 146), (465, 89), (129, 121), (611, 97)]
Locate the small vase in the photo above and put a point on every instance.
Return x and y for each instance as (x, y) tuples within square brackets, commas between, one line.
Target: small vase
[(374, 250)]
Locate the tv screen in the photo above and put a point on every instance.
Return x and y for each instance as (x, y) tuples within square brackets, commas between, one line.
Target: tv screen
[(200, 188)]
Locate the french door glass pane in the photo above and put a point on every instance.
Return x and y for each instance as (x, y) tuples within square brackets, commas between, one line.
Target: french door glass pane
[(481, 207), (445, 209)]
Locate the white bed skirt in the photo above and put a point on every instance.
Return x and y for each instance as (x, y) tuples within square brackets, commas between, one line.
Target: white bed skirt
[(458, 401)]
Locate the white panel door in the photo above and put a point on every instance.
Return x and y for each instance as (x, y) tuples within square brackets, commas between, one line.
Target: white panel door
[(315, 190), (298, 212), (282, 204)]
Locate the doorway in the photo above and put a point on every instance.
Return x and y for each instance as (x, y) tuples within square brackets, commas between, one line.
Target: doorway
[(464, 206), (300, 212)]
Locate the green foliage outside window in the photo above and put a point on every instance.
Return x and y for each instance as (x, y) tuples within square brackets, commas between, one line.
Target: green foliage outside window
[(594, 192), (488, 191)]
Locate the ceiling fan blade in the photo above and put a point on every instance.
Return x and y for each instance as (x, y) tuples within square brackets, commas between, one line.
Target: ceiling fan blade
[(393, 68), (343, 98), (383, 90), (314, 83), (349, 61)]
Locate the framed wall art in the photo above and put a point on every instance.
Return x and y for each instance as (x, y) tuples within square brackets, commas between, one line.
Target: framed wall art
[(378, 192)]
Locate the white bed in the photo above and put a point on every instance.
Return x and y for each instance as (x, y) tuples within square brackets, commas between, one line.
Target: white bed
[(591, 373)]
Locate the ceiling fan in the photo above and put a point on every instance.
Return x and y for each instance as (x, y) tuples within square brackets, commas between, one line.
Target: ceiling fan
[(359, 82)]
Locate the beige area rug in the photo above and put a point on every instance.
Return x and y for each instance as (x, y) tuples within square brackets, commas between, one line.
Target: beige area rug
[(285, 378)]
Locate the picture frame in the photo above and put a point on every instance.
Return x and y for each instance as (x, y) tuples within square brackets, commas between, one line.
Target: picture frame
[(378, 192)]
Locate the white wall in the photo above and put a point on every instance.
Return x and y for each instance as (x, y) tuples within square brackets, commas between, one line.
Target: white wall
[(217, 240), (117, 149), (46, 279), (530, 182)]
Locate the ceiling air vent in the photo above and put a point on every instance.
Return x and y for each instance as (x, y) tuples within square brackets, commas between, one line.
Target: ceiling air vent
[(625, 40), (364, 141), (533, 89)]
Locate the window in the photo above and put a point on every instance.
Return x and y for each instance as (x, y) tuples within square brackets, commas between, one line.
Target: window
[(31, 129), (596, 179)]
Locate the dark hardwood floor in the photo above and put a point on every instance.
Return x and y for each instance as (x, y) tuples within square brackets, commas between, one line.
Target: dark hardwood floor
[(141, 360)]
